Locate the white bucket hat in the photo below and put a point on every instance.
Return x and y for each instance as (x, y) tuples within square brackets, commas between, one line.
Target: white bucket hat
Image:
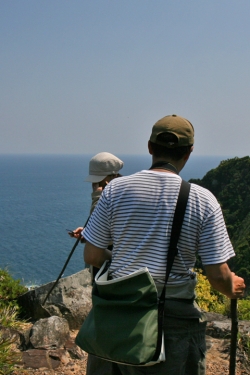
[(102, 165)]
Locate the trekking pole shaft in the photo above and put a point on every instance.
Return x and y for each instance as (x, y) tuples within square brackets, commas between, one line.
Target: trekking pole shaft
[(234, 334), (65, 265), (60, 275)]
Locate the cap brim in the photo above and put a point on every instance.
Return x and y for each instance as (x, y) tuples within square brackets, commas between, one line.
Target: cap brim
[(93, 178)]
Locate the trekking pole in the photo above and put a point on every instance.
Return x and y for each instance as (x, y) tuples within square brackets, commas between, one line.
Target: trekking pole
[(234, 334), (60, 274), (65, 265)]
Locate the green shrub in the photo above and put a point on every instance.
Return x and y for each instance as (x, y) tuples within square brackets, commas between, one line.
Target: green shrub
[(207, 297), (10, 289), (244, 309), (8, 356), (9, 317), (211, 300)]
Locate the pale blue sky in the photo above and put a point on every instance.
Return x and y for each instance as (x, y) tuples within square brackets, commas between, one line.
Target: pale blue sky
[(83, 76)]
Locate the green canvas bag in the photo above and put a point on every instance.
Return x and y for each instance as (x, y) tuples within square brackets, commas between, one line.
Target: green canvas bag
[(125, 311), (125, 324)]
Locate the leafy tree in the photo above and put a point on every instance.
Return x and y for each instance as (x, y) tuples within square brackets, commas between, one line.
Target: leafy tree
[(230, 183)]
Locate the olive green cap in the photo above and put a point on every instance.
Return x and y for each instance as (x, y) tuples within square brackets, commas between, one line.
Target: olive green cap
[(179, 126)]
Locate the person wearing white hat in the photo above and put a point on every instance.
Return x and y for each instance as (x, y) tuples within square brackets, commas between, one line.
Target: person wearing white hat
[(103, 167)]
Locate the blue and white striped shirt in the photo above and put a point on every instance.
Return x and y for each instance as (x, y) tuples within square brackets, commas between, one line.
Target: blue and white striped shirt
[(136, 213)]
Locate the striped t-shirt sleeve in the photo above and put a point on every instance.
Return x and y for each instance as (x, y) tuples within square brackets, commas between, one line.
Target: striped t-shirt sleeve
[(214, 243), (99, 234)]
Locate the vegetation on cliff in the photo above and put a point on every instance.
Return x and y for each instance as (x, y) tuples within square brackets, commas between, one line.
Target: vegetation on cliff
[(230, 183), (10, 289)]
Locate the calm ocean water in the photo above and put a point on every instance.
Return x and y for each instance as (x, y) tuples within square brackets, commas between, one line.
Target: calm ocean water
[(41, 196)]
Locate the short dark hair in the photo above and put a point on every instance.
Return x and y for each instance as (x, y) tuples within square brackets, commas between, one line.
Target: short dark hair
[(175, 153)]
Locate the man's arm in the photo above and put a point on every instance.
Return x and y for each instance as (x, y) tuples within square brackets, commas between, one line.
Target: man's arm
[(95, 256), (222, 279)]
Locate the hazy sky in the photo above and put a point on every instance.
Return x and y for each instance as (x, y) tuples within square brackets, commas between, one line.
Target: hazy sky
[(82, 76)]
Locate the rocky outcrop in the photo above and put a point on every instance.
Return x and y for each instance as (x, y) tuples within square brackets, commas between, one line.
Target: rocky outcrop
[(70, 299), (48, 342)]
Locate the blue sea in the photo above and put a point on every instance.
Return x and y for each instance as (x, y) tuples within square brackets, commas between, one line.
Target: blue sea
[(43, 195)]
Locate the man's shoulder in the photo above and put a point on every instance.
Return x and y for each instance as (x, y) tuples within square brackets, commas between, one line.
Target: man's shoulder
[(203, 193)]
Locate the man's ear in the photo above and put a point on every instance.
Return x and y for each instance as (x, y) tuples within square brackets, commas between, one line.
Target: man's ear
[(186, 157), (150, 148)]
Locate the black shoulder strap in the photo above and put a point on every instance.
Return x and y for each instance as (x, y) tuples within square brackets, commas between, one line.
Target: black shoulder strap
[(172, 252), (177, 224), (176, 230)]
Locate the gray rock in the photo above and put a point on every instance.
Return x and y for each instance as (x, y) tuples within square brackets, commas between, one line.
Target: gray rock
[(219, 326), (74, 351), (211, 317), (244, 326), (49, 333), (219, 329), (70, 299), (51, 359)]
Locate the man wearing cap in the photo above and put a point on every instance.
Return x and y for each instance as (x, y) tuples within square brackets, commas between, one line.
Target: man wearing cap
[(137, 212), (103, 168)]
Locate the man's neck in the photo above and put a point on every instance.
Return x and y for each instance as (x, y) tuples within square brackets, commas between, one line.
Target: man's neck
[(175, 164)]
